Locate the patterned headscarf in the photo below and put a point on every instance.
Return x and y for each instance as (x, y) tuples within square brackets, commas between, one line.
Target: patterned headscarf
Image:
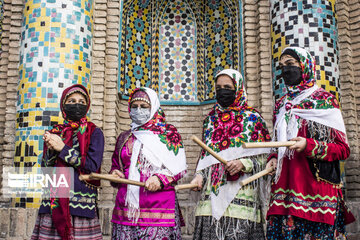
[(60, 206), (156, 123), (307, 65), (240, 101), (67, 129), (321, 99), (230, 127)]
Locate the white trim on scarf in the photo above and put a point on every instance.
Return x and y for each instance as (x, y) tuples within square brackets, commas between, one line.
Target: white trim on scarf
[(230, 154), (286, 131), (227, 192)]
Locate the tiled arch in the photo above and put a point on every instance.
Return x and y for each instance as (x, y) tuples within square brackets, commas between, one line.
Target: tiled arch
[(152, 52)]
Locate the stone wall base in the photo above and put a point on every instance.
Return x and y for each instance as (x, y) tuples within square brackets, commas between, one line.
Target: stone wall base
[(18, 223)]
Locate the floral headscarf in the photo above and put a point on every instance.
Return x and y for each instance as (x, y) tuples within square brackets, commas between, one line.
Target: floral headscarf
[(320, 99), (307, 65), (224, 131), (240, 101)]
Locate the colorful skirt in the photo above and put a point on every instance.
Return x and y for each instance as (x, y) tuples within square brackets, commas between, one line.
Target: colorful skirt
[(294, 228), (83, 228), (227, 228), (124, 232)]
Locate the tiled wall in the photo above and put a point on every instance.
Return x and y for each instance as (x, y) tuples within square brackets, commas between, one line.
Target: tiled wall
[(177, 47), (310, 24)]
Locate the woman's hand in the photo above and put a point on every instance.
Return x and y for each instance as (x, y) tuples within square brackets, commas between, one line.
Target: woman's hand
[(118, 173), (153, 184), (300, 144), (53, 141), (46, 138), (234, 166), (272, 163), (198, 180)]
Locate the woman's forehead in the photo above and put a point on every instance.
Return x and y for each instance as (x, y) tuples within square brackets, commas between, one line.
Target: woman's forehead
[(139, 102), (76, 95), (286, 57), (224, 79)]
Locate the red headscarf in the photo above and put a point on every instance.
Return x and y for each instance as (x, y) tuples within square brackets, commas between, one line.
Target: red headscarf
[(60, 206)]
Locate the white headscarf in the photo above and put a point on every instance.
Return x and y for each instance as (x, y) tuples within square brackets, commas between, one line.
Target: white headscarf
[(155, 153)]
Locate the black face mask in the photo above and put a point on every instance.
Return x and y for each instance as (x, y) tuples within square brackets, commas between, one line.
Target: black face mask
[(292, 75), (75, 112), (225, 97)]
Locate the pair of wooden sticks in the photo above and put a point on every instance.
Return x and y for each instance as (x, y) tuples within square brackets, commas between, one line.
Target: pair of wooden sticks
[(112, 178)]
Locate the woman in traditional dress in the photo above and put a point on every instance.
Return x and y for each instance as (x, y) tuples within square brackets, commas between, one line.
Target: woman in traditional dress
[(151, 152), (77, 144), (306, 197), (227, 210)]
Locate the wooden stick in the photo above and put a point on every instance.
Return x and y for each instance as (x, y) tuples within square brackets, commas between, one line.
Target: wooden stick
[(111, 178), (242, 183), (256, 176), (209, 150), (86, 177), (268, 144), (185, 186)]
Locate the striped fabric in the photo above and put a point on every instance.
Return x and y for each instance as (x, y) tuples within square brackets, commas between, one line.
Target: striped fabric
[(83, 228)]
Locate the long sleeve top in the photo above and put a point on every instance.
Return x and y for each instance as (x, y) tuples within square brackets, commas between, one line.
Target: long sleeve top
[(298, 191), (155, 208), (82, 201)]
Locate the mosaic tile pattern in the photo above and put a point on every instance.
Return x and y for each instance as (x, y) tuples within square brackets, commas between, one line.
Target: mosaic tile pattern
[(207, 29), (200, 33), (218, 42), (177, 53), (137, 46), (55, 53), (310, 24), (157, 11)]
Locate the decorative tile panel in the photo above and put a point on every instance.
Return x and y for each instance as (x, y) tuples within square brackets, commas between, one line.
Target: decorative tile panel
[(188, 43), (178, 53), (220, 26), (137, 45)]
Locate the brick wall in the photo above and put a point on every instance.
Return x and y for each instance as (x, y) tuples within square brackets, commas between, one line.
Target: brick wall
[(257, 57), (9, 75), (349, 42)]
